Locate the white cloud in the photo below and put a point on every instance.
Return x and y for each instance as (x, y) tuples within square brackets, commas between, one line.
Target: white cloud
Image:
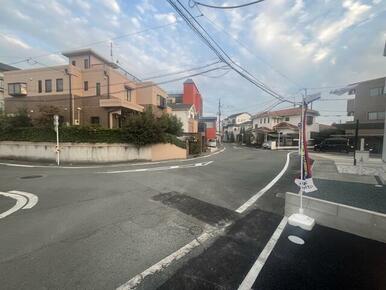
[(112, 5), (145, 6), (12, 40), (166, 17), (321, 54), (354, 13)]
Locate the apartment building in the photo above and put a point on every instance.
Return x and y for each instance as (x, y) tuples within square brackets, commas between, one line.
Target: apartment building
[(89, 90), (282, 125), (210, 126), (190, 96), (149, 95), (368, 107), (3, 68), (232, 125)]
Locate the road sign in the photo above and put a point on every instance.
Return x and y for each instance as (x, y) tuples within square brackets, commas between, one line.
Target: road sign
[(306, 185)]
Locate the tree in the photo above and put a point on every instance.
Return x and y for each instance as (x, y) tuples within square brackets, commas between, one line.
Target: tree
[(19, 120), (46, 117), (143, 129), (171, 124)]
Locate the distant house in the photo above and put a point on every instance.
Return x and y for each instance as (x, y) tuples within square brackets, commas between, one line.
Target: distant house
[(283, 125), (187, 115), (232, 125)]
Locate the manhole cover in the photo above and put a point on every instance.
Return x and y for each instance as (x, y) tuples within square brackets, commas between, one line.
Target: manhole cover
[(31, 176), (296, 240)]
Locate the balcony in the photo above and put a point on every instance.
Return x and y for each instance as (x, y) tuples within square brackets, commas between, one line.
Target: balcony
[(17, 89), (119, 103)]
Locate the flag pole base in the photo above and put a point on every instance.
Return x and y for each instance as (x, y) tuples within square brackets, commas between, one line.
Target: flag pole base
[(301, 220)]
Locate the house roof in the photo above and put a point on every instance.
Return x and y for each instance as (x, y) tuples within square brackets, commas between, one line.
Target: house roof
[(208, 119), (6, 67), (264, 129), (180, 107), (285, 125), (285, 112), (189, 81), (88, 51), (237, 114)]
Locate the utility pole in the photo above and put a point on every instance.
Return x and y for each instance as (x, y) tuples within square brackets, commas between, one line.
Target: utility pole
[(219, 119)]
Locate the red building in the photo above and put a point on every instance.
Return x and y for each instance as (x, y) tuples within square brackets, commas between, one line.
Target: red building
[(192, 96), (210, 124)]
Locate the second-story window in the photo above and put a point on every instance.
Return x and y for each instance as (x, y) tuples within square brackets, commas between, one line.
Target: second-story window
[(160, 101), (86, 63), (48, 86), (261, 121), (376, 91), (98, 89), (73, 63), (128, 94), (40, 86), (85, 85), (310, 120), (59, 85)]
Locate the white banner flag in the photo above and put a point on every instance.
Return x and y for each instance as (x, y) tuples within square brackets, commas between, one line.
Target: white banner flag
[(306, 185)]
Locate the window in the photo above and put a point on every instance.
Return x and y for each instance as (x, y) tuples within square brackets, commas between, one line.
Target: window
[(73, 63), (128, 94), (59, 85), (40, 86), (160, 101), (376, 116), (17, 89), (86, 63), (85, 85), (376, 91), (264, 120), (286, 119), (98, 89), (268, 120), (261, 121), (310, 120), (95, 120), (48, 85), (1, 84)]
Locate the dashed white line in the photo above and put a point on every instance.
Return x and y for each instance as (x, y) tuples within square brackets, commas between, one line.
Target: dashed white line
[(254, 198), (254, 272)]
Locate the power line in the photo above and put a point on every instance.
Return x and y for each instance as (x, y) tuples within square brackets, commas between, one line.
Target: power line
[(222, 55), (193, 3)]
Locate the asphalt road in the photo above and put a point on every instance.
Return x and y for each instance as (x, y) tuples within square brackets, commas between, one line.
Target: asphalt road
[(96, 228)]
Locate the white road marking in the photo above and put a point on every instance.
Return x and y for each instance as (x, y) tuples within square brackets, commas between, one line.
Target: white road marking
[(114, 165), (136, 280), (21, 201), (254, 198), (254, 272), (32, 198), (158, 168)]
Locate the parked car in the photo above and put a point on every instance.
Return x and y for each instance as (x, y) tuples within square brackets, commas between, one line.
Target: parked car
[(212, 143), (267, 145), (335, 145)]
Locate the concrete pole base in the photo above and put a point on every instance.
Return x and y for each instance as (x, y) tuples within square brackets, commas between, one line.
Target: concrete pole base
[(301, 220)]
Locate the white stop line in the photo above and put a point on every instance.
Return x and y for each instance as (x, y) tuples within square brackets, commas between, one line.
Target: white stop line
[(24, 200)]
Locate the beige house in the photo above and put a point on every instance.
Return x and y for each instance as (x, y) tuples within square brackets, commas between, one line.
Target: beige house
[(187, 115), (3, 68), (89, 90), (152, 96)]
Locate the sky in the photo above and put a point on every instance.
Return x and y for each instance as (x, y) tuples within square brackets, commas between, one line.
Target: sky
[(289, 45)]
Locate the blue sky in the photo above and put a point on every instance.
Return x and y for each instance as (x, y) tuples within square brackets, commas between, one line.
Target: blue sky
[(289, 45)]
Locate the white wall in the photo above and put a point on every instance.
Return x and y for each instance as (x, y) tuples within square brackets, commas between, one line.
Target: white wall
[(88, 152)]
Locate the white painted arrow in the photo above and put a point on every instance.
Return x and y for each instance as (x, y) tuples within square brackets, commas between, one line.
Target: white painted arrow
[(24, 200)]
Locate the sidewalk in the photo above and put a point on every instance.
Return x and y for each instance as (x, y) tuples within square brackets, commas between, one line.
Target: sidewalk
[(362, 191)]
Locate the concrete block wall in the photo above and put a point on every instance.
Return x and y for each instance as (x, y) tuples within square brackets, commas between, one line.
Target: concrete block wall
[(350, 219), (88, 152)]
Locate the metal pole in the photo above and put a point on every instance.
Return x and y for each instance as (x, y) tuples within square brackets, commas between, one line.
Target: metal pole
[(356, 141), (301, 155), (56, 125)]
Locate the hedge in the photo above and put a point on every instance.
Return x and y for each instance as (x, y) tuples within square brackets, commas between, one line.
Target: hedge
[(76, 135)]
